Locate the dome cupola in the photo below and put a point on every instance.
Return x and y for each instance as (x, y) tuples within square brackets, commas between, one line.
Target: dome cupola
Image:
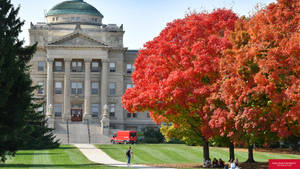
[(74, 11)]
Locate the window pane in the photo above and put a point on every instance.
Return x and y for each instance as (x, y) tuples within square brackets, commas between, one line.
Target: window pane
[(58, 110), (79, 91), (41, 66), (58, 85), (112, 67), (41, 88), (58, 88), (95, 64), (129, 68), (73, 85), (95, 108), (79, 85), (95, 85), (112, 107), (58, 63), (129, 85), (112, 64), (112, 85)]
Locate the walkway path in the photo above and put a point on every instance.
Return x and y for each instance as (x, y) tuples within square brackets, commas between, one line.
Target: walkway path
[(98, 156)]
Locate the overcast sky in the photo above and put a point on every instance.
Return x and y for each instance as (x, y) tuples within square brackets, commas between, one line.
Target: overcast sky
[(142, 19)]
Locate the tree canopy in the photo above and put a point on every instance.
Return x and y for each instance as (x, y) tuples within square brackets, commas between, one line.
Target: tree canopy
[(19, 120), (220, 75)]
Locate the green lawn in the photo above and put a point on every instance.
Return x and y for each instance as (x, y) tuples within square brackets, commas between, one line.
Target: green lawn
[(64, 157), (179, 153)]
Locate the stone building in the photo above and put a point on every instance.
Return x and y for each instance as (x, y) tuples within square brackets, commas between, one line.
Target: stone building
[(82, 65)]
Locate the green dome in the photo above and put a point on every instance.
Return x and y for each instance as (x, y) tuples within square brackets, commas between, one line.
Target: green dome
[(74, 7)]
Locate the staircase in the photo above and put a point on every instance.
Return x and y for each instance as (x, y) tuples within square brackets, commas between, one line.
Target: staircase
[(87, 132)]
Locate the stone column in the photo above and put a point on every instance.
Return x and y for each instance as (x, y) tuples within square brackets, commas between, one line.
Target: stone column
[(50, 87), (87, 89), (104, 82), (67, 88)]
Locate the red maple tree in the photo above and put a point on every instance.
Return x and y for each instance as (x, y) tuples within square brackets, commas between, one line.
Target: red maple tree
[(260, 77), (177, 71)]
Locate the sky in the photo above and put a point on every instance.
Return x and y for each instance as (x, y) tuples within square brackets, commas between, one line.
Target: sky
[(142, 19)]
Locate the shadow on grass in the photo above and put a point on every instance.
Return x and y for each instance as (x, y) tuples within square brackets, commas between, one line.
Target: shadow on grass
[(36, 154), (49, 165), (65, 148), (107, 148)]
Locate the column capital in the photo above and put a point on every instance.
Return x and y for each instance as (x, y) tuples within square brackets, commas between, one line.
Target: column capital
[(50, 59), (104, 60), (67, 59), (87, 60)]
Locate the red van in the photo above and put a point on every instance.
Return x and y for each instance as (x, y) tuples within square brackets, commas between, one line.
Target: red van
[(124, 137)]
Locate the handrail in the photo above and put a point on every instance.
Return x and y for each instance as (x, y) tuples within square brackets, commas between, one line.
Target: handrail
[(88, 125), (68, 134)]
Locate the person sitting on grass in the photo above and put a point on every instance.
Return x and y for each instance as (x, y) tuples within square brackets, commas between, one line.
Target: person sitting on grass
[(207, 163), (221, 163), (233, 164), (215, 163)]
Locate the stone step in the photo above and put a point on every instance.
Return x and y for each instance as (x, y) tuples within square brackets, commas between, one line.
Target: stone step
[(78, 132)]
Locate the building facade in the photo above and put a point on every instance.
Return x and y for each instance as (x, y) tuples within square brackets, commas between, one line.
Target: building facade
[(81, 65)]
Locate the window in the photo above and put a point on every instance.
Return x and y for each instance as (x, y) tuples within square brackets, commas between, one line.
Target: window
[(58, 87), (112, 67), (112, 89), (77, 66), (95, 66), (58, 66), (73, 19), (148, 115), (41, 109), (77, 18), (95, 88), (112, 110), (129, 85), (129, 68), (76, 88), (95, 110), (131, 115), (58, 110), (41, 88), (41, 66)]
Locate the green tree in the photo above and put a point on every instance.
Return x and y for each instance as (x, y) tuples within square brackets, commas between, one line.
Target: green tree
[(16, 91), (35, 134)]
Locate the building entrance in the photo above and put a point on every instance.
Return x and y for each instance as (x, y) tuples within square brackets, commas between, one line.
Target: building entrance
[(76, 114)]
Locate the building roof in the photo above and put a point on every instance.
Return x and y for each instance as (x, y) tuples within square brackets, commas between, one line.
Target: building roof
[(74, 7)]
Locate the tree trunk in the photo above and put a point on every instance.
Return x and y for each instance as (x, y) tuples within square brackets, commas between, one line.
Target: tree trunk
[(250, 154), (205, 149), (231, 151)]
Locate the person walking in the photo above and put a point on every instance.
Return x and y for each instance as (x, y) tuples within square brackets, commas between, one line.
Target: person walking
[(129, 155)]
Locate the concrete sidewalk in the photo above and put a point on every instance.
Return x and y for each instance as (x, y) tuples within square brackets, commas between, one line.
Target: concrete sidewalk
[(98, 156)]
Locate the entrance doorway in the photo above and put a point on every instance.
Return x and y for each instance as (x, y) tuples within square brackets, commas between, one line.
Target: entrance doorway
[(76, 114)]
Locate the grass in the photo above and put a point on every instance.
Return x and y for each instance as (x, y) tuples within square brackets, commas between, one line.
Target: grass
[(179, 153), (64, 157)]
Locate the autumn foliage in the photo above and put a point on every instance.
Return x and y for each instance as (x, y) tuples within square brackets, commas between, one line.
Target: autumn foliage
[(218, 74), (260, 83), (176, 71)]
